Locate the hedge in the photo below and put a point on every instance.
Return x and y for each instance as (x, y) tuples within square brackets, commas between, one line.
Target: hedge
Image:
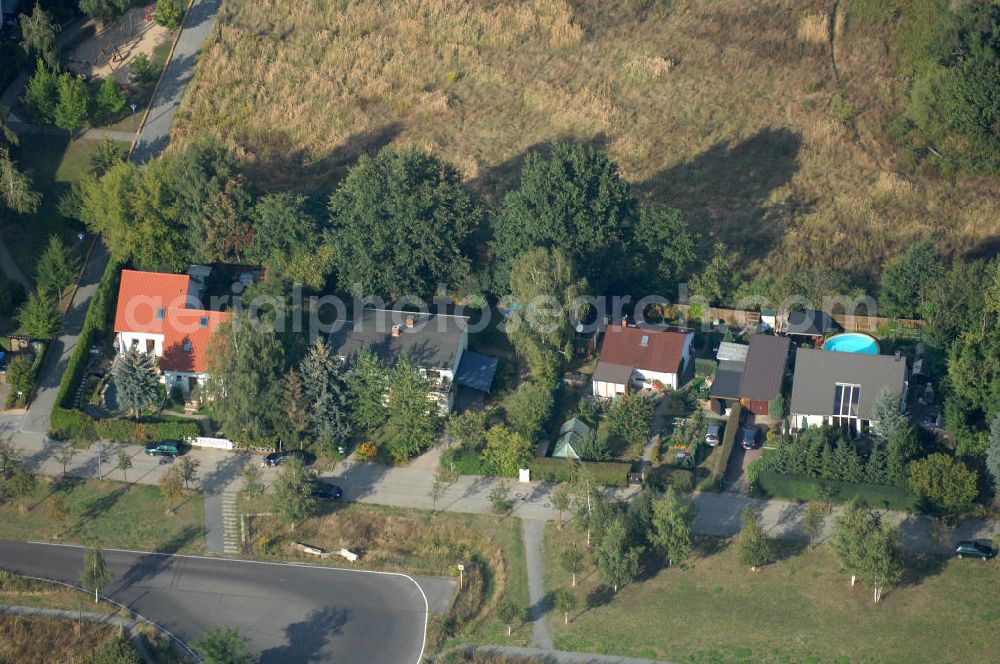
[(704, 366), (74, 424), (714, 480), (608, 473), (795, 487), (94, 325)]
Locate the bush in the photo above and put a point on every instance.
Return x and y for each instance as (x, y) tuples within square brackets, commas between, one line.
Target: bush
[(76, 425), (704, 366), (169, 13), (464, 461), (144, 70), (810, 488), (607, 473)]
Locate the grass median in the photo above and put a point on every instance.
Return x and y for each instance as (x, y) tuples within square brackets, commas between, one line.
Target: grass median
[(105, 513), (799, 609)]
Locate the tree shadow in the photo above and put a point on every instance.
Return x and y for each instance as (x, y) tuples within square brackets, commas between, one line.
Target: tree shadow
[(918, 568), (150, 565), (600, 596), (725, 190), (307, 638)]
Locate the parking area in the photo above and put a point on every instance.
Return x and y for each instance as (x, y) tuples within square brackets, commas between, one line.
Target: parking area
[(740, 459)]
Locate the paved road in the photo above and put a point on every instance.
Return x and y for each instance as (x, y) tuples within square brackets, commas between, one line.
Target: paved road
[(532, 532), (290, 613), (197, 27)]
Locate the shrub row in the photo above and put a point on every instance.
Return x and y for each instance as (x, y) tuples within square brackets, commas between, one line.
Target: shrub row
[(792, 487), (714, 481), (608, 473), (94, 326), (68, 423)]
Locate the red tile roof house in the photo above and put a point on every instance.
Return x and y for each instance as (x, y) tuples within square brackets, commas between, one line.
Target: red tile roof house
[(636, 358), (160, 314)]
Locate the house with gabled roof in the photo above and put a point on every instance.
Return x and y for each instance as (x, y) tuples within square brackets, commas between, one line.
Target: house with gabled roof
[(840, 389), (635, 358), (436, 343), (161, 314)]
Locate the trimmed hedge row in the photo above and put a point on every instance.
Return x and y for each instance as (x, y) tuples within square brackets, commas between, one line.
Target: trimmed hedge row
[(608, 473), (68, 423), (714, 481), (794, 487), (94, 325)]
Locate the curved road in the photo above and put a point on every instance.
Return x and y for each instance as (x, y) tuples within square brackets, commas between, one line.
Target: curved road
[(290, 613)]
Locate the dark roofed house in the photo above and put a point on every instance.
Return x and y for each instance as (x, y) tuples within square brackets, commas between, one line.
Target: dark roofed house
[(436, 343), (725, 390), (764, 372), (840, 388), (808, 323)]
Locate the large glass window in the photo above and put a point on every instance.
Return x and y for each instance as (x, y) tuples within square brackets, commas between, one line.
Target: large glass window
[(846, 400)]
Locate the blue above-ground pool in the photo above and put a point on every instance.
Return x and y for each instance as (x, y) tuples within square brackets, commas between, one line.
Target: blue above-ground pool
[(852, 342)]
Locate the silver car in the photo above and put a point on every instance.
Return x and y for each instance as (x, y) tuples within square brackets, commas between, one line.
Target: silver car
[(712, 434)]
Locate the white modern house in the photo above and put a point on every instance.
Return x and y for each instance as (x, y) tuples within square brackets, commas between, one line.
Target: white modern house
[(636, 358), (839, 389), (160, 314)]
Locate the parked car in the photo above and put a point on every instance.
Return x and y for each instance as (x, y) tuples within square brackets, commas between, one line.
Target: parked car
[(170, 448), (278, 458), (749, 438), (326, 490), (971, 549), (714, 434)]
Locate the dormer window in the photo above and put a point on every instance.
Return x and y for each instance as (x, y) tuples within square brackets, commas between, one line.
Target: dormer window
[(645, 341), (161, 313), (186, 346), (203, 322)]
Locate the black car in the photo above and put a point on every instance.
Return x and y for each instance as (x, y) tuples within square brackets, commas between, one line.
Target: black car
[(970, 549), (326, 490), (749, 438), (278, 458)]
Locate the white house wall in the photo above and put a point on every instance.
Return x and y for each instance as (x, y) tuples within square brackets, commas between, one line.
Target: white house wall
[(644, 378), (126, 339), (604, 390)]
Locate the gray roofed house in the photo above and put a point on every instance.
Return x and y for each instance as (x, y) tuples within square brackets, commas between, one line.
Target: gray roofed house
[(612, 373), (840, 388), (726, 383), (433, 342), (765, 367), (808, 323)]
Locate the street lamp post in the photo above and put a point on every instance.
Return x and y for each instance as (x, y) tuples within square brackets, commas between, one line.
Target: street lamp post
[(461, 574), (135, 117)]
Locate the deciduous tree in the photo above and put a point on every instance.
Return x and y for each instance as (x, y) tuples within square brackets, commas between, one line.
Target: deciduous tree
[(529, 408), (411, 423), (123, 462), (285, 239), (246, 365), (223, 646), (880, 565), (850, 530), (506, 451), (73, 107), (509, 612), (41, 94), (64, 455), (617, 562), (188, 469), (402, 223), (561, 497), (993, 455), (291, 494), (95, 575), (753, 548), (22, 485), (631, 417), (665, 249), (540, 327), (104, 11), (468, 428), (110, 98), (671, 526), (137, 381), (38, 36), (945, 482), (572, 200), (563, 601), (571, 560)]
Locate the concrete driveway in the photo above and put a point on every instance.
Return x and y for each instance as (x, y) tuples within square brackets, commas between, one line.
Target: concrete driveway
[(289, 613)]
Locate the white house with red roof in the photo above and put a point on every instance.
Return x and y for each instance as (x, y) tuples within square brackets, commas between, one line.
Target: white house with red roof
[(635, 358), (161, 314)]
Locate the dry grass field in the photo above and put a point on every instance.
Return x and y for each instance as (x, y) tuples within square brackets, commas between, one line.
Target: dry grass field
[(764, 120), (24, 639)]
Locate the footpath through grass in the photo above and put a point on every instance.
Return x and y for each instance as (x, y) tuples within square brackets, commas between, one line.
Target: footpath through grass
[(105, 513), (800, 609)]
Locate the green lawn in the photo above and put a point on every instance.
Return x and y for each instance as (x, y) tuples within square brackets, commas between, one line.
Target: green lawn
[(108, 514), (126, 120), (800, 609), (54, 163)]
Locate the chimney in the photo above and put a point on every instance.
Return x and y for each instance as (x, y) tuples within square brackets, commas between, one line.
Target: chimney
[(409, 321), (395, 330)]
